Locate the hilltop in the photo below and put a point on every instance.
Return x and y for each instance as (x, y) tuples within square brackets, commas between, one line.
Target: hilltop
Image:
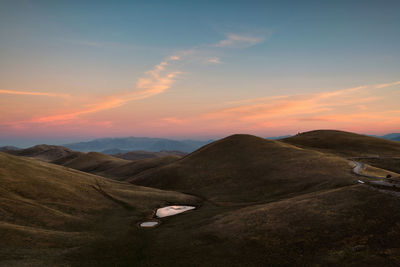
[(375, 151), (46, 153), (345, 143)]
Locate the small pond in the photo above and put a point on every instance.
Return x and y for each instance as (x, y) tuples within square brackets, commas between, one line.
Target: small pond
[(148, 224), (172, 210)]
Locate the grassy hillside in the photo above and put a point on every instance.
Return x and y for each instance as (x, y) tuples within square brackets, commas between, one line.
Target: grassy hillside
[(348, 226), (245, 168), (264, 203), (345, 144), (48, 210), (375, 151), (94, 162), (135, 167), (392, 164)]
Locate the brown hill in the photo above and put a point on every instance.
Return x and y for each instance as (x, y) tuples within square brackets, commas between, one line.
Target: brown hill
[(349, 226), (9, 148), (245, 168), (110, 166), (276, 204), (94, 162), (47, 209), (135, 167), (46, 153), (345, 143), (374, 151)]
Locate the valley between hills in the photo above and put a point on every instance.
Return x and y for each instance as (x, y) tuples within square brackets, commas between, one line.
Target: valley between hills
[(296, 201)]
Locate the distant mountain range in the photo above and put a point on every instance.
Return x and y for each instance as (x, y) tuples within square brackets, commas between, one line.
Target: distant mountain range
[(126, 144), (9, 148), (278, 137), (119, 145), (392, 136)]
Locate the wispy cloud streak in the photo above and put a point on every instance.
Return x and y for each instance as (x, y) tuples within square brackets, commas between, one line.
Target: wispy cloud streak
[(360, 105), (236, 40), (155, 82), (12, 92)]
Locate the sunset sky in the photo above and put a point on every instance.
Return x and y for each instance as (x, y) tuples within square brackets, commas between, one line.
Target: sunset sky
[(78, 70)]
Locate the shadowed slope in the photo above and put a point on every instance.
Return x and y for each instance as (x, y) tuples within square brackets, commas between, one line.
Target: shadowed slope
[(345, 143), (112, 167), (244, 168), (349, 226), (135, 167), (94, 162)]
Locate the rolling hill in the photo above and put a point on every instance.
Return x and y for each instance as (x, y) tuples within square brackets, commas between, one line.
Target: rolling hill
[(47, 210), (345, 143), (245, 168), (113, 167), (46, 153), (93, 162), (133, 168), (278, 204), (9, 148), (374, 151)]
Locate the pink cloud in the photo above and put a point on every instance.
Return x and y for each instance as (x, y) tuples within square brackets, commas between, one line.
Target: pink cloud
[(12, 92)]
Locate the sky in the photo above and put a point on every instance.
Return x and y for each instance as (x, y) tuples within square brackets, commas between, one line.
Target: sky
[(79, 70)]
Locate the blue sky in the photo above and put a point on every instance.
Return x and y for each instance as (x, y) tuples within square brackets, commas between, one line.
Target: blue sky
[(92, 50)]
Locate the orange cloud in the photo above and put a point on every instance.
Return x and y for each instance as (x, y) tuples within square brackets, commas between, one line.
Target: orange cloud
[(155, 82), (12, 92), (350, 107)]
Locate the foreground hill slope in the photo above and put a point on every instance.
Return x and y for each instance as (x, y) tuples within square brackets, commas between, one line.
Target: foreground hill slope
[(276, 204), (244, 168), (46, 209), (348, 226), (345, 143)]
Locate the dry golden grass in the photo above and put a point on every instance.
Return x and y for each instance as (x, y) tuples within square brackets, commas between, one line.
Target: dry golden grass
[(264, 203)]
